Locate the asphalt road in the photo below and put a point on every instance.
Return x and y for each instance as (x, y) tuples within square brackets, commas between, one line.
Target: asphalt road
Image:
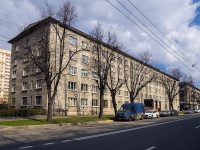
[(167, 133)]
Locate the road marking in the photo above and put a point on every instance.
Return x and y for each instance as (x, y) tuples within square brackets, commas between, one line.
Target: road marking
[(25, 147), (49, 143), (153, 147), (197, 127), (100, 126), (66, 141)]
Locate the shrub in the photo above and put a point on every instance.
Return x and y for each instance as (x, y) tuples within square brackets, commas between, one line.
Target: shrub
[(20, 112)]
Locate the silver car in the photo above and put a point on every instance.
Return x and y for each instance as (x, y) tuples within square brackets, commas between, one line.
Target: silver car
[(164, 113)]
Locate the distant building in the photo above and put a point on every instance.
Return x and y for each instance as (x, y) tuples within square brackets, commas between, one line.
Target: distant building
[(77, 91), (5, 57), (189, 96)]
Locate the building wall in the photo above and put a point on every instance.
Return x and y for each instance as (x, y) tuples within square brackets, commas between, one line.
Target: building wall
[(74, 101), (5, 56)]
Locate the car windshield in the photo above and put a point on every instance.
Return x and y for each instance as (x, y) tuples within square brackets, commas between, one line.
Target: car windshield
[(125, 108), (149, 111)]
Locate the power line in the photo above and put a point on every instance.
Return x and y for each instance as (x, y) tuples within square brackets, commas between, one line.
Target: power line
[(162, 33), (5, 36), (10, 22), (148, 34), (3, 40), (13, 17)]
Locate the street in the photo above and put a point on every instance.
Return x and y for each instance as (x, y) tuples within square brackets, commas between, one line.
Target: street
[(181, 132)]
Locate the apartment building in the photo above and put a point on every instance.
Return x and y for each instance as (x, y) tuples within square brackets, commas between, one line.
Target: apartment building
[(5, 57), (77, 91), (189, 96)]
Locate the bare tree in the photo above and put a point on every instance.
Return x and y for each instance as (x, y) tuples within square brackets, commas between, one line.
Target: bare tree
[(140, 75), (172, 85), (51, 56)]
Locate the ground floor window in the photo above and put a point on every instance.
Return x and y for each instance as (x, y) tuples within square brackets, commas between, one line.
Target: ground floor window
[(24, 101), (72, 101), (38, 100), (84, 102), (105, 103), (95, 102), (13, 101)]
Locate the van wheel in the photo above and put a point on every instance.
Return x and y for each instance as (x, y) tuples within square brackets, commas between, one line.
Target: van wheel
[(142, 117), (129, 119)]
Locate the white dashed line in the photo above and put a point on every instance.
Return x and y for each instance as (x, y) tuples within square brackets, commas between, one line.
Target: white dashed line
[(25, 147), (49, 143), (66, 141), (153, 147), (197, 127)]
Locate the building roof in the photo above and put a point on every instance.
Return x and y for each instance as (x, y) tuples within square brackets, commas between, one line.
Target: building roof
[(31, 27)]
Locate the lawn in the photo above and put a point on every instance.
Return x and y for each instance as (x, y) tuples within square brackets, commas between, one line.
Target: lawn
[(54, 120)]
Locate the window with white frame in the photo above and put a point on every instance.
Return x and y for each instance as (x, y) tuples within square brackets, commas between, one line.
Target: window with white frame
[(112, 68), (112, 57), (13, 88), (71, 55), (104, 53), (126, 93), (14, 73), (94, 89), (25, 57), (105, 103), (120, 93), (119, 60), (39, 52), (94, 102), (72, 70), (84, 59), (24, 101), (31, 86), (17, 48), (15, 62), (84, 101), (26, 71), (84, 45), (25, 86), (73, 40), (120, 81), (112, 80), (38, 100), (84, 73), (72, 101), (72, 85), (38, 84), (94, 76), (95, 50), (84, 87)]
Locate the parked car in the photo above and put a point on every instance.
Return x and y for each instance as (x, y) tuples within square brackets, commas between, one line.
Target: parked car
[(189, 111), (151, 114), (164, 113), (130, 111), (174, 113), (197, 110)]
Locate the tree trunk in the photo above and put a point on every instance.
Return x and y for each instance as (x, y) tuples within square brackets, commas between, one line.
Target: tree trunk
[(171, 107), (131, 97), (50, 104), (114, 102), (101, 103)]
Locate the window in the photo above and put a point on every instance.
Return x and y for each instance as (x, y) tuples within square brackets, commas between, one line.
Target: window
[(72, 85), (25, 71), (94, 102), (84, 45), (119, 103), (126, 102), (84, 73), (126, 93), (38, 100), (94, 76), (27, 42), (15, 62), (71, 54), (94, 89), (24, 101), (72, 101), (17, 48), (119, 60), (112, 80), (112, 68), (126, 62), (84, 102), (120, 81), (31, 86), (95, 50), (37, 69), (105, 103), (25, 57), (25, 86), (84, 59), (38, 84), (84, 87), (39, 52), (72, 70), (13, 102), (112, 57), (14, 74), (104, 53), (73, 41), (120, 93), (13, 88)]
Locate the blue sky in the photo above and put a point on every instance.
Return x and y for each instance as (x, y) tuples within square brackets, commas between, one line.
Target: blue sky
[(179, 20)]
